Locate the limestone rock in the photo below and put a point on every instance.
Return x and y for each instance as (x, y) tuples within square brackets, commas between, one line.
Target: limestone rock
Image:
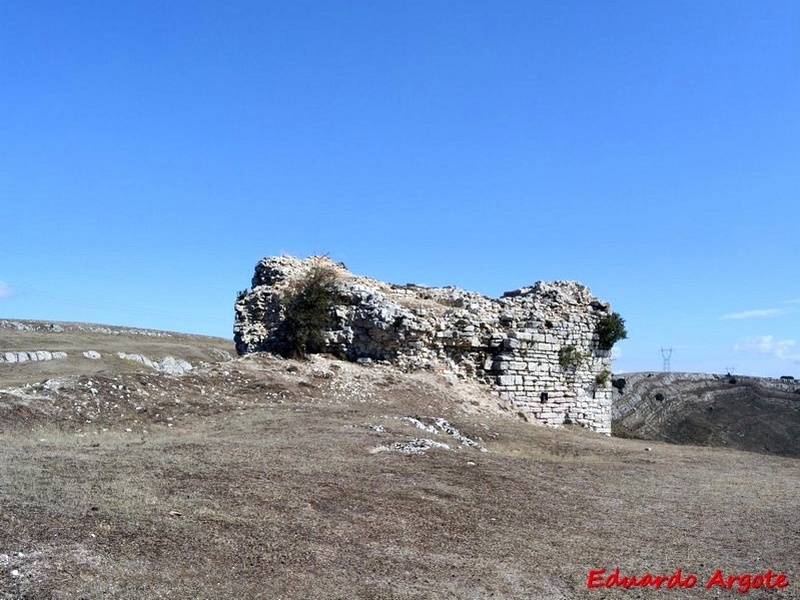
[(31, 356), (172, 365), (136, 358), (168, 364), (16, 325)]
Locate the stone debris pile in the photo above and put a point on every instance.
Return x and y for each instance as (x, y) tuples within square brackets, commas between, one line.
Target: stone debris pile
[(516, 343), (421, 445), (441, 425), (414, 446)]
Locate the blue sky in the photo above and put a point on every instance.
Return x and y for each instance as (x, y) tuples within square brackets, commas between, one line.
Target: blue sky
[(152, 152)]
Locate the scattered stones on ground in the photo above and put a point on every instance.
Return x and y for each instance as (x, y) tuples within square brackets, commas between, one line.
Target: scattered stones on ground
[(420, 445), (59, 327), (16, 325), (419, 424), (414, 446)]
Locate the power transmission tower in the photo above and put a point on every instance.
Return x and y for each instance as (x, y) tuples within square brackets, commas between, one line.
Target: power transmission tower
[(666, 354)]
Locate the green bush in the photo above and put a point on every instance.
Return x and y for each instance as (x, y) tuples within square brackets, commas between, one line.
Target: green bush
[(570, 358), (602, 377), (610, 330), (308, 313)]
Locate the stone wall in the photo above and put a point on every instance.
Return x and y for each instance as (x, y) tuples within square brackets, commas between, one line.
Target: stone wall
[(511, 343)]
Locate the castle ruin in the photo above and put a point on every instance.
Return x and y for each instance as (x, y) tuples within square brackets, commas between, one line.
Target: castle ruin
[(537, 347)]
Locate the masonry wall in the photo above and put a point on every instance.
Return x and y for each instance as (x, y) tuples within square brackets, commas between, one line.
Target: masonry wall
[(510, 343), (528, 375)]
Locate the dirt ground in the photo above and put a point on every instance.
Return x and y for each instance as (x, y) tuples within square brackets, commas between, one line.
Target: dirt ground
[(269, 478)]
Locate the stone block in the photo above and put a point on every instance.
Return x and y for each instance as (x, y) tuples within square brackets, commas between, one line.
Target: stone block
[(501, 364), (506, 380)]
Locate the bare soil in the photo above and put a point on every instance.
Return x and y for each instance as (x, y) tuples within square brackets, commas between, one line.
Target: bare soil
[(262, 478)]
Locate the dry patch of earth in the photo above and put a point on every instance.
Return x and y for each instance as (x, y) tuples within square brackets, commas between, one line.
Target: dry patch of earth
[(265, 478)]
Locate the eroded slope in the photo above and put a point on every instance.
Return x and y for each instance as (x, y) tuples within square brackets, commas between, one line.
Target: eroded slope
[(747, 413)]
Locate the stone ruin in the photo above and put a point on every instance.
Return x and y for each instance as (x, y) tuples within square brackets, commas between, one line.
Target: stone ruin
[(536, 347)]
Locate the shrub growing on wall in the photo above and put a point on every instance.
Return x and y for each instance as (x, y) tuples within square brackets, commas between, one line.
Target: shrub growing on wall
[(610, 330), (570, 358), (308, 308), (602, 377)]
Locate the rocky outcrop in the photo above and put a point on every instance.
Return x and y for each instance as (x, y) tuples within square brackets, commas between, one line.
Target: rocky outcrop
[(537, 346), (169, 364), (15, 325), (31, 356), (49, 327), (758, 414)]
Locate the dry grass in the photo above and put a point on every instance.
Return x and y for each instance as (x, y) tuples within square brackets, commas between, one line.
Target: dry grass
[(74, 341), (264, 486)]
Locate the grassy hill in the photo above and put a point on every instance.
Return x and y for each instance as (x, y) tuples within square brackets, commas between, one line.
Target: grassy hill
[(76, 338), (267, 478)]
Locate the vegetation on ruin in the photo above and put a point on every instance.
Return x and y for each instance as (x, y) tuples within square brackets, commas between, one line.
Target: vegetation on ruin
[(610, 330), (601, 379), (570, 358), (308, 312)]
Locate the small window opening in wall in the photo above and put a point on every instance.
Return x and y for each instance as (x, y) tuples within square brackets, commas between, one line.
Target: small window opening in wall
[(543, 397)]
